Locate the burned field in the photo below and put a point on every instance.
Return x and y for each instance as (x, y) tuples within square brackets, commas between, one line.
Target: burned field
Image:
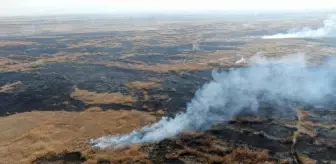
[(61, 87)]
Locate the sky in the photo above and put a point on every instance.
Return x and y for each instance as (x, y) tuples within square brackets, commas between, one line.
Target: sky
[(40, 7)]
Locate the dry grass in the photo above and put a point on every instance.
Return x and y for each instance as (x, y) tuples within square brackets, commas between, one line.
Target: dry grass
[(247, 119), (208, 144), (227, 57), (132, 153), (8, 65), (276, 48), (101, 43), (317, 124), (5, 61), (237, 155), (59, 57), (101, 98), (162, 67), (16, 43), (305, 159), (301, 114), (10, 87), (310, 132), (26, 136), (246, 155), (142, 84), (301, 127), (94, 109), (307, 127)]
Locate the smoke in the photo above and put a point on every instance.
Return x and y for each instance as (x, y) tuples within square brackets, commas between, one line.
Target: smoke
[(195, 47), (328, 30), (273, 81)]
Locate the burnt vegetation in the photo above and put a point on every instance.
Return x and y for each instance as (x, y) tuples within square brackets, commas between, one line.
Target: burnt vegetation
[(58, 89)]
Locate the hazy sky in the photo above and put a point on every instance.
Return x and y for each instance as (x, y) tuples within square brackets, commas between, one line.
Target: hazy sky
[(32, 7)]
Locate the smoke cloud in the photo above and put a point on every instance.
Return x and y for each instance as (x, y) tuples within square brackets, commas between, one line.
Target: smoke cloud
[(328, 30), (275, 81)]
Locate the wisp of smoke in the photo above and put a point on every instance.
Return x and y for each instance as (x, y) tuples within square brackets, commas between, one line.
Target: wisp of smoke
[(230, 92), (328, 30)]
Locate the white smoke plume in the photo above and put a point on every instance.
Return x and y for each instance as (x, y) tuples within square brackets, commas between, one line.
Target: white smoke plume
[(328, 30), (265, 80), (195, 46)]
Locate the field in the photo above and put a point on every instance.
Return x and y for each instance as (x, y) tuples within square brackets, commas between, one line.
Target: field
[(67, 79)]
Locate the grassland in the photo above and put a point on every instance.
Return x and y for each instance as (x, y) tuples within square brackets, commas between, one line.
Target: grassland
[(70, 79), (40, 133)]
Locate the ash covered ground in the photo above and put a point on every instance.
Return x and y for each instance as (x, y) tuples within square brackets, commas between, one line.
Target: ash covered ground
[(65, 81)]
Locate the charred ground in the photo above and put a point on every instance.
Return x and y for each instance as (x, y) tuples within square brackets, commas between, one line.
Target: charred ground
[(62, 86)]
